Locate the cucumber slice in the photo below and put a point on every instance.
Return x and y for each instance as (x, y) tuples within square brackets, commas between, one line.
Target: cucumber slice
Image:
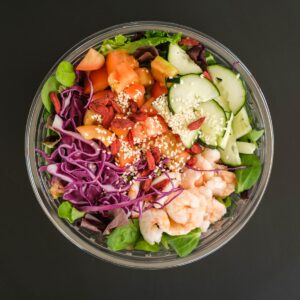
[(215, 122), (224, 103), (188, 137), (224, 139), (230, 155), (178, 122), (241, 124), (230, 85), (181, 61), (246, 148), (190, 92)]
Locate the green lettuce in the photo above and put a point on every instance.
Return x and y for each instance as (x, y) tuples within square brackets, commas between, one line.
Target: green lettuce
[(152, 38), (183, 245), (124, 237), (246, 178), (68, 212)]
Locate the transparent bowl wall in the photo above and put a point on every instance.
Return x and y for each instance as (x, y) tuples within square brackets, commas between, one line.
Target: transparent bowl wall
[(221, 232)]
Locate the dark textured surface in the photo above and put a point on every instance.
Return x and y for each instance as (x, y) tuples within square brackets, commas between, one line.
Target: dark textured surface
[(262, 262)]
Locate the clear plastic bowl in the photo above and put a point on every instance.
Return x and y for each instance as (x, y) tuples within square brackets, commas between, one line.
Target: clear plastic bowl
[(221, 232)]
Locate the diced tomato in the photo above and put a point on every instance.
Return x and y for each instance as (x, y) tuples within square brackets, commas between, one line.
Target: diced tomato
[(122, 77), (97, 132), (158, 90), (148, 107), (99, 80), (136, 91), (139, 133), (189, 42), (151, 127), (93, 60), (145, 77), (168, 145), (162, 69), (155, 126), (117, 57), (126, 155), (171, 148)]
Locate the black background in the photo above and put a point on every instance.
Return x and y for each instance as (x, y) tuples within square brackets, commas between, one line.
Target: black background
[(262, 262)]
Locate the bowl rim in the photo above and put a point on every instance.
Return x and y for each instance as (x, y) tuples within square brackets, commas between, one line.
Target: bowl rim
[(86, 246)]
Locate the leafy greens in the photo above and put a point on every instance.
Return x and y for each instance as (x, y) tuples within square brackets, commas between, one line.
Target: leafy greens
[(68, 212), (247, 177), (183, 245), (51, 85), (65, 74), (124, 237), (152, 38)]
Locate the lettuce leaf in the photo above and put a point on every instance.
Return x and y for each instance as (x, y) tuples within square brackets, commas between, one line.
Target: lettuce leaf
[(68, 212), (112, 44), (65, 73), (246, 178), (152, 38), (124, 237), (145, 246), (183, 245)]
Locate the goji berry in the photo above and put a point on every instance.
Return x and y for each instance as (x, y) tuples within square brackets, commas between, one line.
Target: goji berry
[(196, 124), (150, 160)]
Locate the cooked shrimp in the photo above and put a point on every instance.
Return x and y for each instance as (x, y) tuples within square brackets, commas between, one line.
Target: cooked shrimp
[(134, 190), (179, 229), (216, 210), (191, 178), (222, 185), (185, 208), (203, 164), (153, 223), (230, 179), (205, 196), (211, 155)]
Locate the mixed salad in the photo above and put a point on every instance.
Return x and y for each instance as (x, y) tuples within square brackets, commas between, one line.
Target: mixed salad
[(148, 141)]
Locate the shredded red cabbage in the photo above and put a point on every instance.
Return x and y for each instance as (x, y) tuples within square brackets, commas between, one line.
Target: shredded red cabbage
[(91, 180)]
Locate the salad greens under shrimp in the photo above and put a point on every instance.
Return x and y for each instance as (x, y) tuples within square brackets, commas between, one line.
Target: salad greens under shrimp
[(148, 141)]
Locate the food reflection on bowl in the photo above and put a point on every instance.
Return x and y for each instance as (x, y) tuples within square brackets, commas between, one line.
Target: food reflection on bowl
[(149, 145)]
